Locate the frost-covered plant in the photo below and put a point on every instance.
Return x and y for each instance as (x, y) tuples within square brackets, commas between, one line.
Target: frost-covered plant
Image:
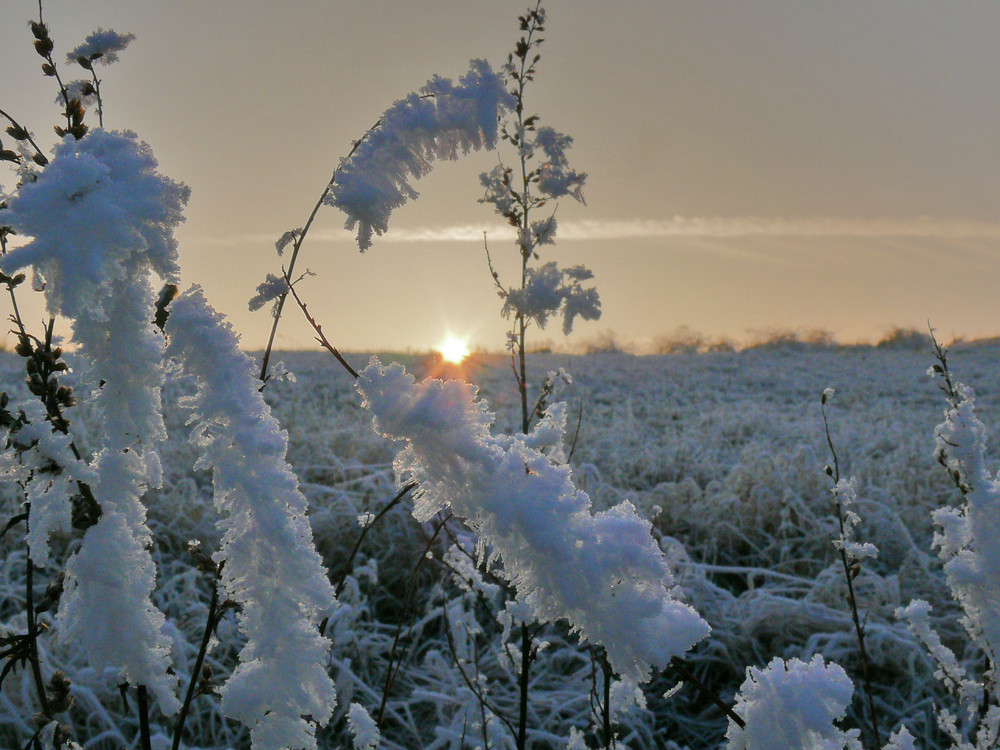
[(852, 554), (440, 121), (269, 565), (968, 542), (603, 573), (101, 219), (794, 705)]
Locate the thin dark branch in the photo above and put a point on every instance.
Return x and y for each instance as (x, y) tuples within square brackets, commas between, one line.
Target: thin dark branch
[(678, 666), (320, 336), (206, 637), (144, 719), (475, 690), (850, 572), (357, 545), (390, 675), (36, 667)]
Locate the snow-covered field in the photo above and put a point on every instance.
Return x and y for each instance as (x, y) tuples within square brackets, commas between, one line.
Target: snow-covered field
[(725, 453)]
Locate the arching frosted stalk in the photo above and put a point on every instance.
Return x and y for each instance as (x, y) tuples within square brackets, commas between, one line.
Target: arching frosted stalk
[(271, 567), (602, 572)]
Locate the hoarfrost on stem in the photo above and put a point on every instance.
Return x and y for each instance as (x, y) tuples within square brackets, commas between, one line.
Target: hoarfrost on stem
[(271, 567), (441, 121), (968, 539), (546, 289), (101, 219), (602, 572), (101, 46)]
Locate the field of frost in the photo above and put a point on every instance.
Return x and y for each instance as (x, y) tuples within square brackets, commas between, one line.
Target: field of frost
[(723, 452)]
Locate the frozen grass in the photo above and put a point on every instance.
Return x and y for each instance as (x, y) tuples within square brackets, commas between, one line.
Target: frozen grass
[(724, 452)]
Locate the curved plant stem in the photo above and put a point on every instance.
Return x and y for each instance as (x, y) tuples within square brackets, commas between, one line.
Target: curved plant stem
[(297, 244), (357, 545)]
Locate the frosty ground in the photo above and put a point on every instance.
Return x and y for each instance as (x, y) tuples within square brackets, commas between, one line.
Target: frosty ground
[(724, 452)]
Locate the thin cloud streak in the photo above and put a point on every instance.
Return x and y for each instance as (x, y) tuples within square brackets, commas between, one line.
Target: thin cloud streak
[(711, 227)]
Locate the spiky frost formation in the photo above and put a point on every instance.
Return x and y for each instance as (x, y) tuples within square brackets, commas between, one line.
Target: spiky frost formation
[(968, 538), (793, 705), (602, 572), (101, 219), (99, 202), (441, 121), (271, 567)]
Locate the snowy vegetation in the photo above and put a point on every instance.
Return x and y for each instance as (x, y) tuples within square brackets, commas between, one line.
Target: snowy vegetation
[(205, 550)]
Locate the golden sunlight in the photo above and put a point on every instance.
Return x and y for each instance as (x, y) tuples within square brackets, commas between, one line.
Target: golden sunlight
[(454, 350)]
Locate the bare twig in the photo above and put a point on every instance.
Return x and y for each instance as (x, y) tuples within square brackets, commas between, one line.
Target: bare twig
[(850, 572), (678, 666), (357, 545), (211, 622), (320, 336)]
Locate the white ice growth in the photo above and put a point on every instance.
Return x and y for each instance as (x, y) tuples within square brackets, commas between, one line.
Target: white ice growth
[(547, 288), (968, 539), (901, 739), (269, 290), (272, 569), (793, 705), (441, 121), (98, 202), (602, 572), (555, 178), (101, 46), (101, 219), (45, 463), (845, 495), (364, 733)]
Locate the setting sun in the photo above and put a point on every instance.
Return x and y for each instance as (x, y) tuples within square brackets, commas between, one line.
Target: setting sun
[(454, 350)]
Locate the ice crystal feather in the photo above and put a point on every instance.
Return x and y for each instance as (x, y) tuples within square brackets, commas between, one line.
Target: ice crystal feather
[(271, 567), (602, 572), (441, 121)]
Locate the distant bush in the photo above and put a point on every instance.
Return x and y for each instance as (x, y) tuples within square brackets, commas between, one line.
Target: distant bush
[(795, 340), (685, 340), (909, 339)]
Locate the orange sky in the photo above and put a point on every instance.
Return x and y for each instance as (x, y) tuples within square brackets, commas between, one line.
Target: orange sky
[(753, 166)]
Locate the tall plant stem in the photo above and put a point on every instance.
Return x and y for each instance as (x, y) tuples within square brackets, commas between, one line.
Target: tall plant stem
[(859, 628), (524, 678), (144, 719), (199, 661), (606, 707), (36, 667), (291, 268)]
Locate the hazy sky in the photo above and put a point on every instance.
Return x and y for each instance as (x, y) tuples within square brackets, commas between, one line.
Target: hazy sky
[(753, 166)]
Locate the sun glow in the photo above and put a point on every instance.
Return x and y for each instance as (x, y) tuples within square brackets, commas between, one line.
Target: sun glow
[(454, 350)]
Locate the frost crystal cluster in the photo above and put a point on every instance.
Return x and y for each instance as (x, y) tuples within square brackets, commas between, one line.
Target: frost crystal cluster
[(441, 121), (968, 541), (602, 572), (793, 705), (101, 219), (548, 288), (270, 564)]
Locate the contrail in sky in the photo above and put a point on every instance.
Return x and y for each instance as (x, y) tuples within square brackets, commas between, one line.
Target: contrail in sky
[(712, 227)]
